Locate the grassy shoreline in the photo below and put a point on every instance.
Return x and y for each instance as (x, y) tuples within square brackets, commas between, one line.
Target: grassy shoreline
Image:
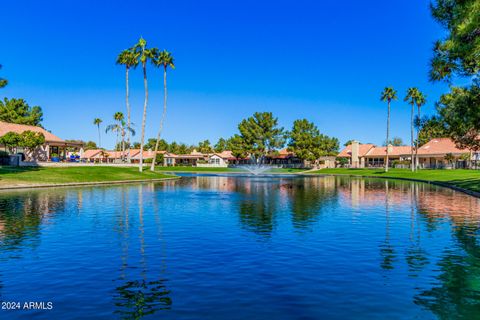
[(463, 179), (17, 177)]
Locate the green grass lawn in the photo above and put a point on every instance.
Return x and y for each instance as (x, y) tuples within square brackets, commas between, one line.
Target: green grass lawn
[(467, 179), (10, 176)]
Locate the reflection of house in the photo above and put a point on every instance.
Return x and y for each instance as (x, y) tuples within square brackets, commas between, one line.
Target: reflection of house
[(431, 155), (53, 146)]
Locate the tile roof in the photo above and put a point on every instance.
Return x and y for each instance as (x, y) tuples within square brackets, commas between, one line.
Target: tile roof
[(363, 149), (6, 127), (395, 151), (440, 146), (91, 153)]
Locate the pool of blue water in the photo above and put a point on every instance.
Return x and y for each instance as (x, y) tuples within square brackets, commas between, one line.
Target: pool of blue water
[(240, 247)]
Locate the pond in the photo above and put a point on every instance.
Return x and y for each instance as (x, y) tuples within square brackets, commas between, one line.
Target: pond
[(232, 247)]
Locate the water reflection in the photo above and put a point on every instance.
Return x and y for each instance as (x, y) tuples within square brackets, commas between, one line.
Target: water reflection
[(421, 233)]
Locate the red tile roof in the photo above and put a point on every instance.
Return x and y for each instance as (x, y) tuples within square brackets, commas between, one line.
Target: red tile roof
[(362, 150), (395, 151), (6, 127), (440, 146)]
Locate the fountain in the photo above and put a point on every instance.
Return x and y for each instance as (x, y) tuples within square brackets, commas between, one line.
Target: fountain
[(257, 166)]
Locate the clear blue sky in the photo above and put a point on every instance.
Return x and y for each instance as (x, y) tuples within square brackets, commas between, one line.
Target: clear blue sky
[(326, 61)]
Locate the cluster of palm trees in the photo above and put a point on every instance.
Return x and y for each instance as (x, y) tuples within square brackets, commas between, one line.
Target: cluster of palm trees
[(131, 58), (414, 97)]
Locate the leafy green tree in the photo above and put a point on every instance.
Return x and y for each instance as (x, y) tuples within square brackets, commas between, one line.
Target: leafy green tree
[(430, 128), (128, 58), (261, 134), (459, 110), (236, 145), (173, 147), (97, 122), (90, 145), (10, 140), (221, 145), (165, 60), (307, 143), (349, 142), (18, 111), (145, 55), (205, 146), (3, 82), (388, 94), (457, 56), (396, 142), (30, 140), (412, 97)]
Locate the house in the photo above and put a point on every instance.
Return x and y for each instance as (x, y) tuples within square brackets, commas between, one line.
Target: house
[(171, 159), (53, 146), (431, 155)]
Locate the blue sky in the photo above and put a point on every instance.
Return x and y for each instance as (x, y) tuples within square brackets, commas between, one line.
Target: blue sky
[(326, 61)]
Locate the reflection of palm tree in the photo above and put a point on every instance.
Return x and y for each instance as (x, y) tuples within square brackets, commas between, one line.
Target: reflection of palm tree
[(386, 249), (135, 299), (416, 256)]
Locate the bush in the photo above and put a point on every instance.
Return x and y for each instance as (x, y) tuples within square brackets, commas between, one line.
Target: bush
[(4, 154)]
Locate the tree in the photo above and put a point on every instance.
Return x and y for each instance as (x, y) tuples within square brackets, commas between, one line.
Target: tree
[(308, 144), (205, 146), (30, 140), (3, 82), (430, 128), (388, 95), (90, 145), (261, 134), (97, 122), (460, 113), (396, 141), (349, 142), (236, 145), (457, 56), (145, 55), (166, 60), (450, 158), (120, 128), (411, 98), (18, 111), (128, 58), (221, 145), (10, 140), (419, 101)]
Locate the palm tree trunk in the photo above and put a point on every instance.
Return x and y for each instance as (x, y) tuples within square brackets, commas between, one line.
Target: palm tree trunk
[(152, 168), (99, 137), (128, 114), (416, 142), (388, 136), (123, 144), (144, 118), (411, 139)]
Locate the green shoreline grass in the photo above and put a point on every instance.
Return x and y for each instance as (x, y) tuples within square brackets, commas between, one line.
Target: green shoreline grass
[(24, 176), (465, 179)]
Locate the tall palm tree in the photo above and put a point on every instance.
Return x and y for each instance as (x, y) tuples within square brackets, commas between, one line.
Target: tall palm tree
[(166, 60), (145, 55), (97, 122), (388, 94), (411, 98), (419, 101), (128, 58)]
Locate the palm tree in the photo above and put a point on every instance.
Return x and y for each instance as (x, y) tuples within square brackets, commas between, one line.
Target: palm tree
[(118, 117), (411, 98), (144, 55), (419, 101), (97, 122), (388, 95), (121, 129), (3, 82), (166, 60), (128, 58)]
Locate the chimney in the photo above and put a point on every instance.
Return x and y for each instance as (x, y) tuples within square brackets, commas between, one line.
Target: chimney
[(355, 154)]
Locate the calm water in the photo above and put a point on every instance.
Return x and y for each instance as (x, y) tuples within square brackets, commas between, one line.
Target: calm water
[(211, 247)]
